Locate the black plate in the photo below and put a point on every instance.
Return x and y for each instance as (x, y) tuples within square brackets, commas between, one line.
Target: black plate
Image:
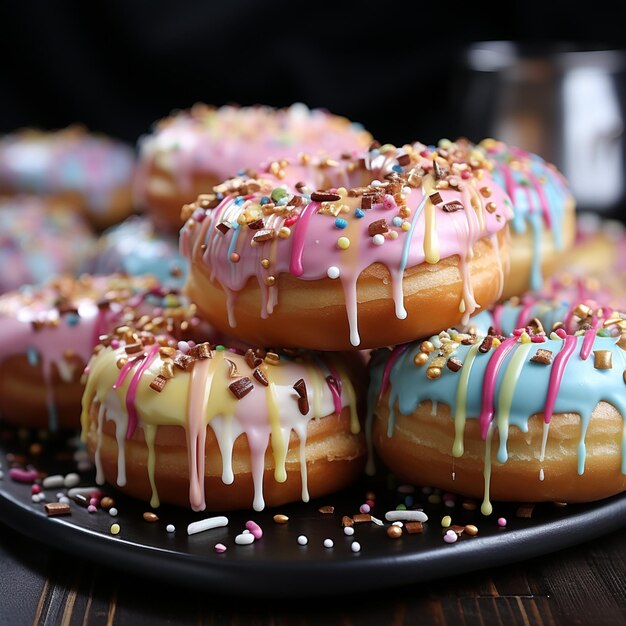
[(276, 564)]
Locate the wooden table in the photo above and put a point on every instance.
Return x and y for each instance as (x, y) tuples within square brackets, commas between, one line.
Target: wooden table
[(582, 585)]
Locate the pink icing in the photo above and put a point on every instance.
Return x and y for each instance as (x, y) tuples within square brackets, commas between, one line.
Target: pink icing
[(489, 385), (132, 389), (556, 374)]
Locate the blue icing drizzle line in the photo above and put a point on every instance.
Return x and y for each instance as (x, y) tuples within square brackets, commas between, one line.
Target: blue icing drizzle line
[(409, 236), (53, 417), (33, 356)]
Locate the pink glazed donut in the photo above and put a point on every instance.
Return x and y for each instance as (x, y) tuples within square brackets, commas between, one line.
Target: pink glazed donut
[(189, 151), (353, 253)]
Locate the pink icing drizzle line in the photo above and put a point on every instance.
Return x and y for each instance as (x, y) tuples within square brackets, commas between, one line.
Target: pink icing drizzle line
[(497, 318), (522, 318), (131, 409), (395, 355), (124, 371), (489, 383), (299, 236), (556, 375), (196, 434), (590, 336), (545, 210), (335, 391), (567, 322)]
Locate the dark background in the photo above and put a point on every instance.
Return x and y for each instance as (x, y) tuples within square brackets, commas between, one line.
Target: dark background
[(399, 68)]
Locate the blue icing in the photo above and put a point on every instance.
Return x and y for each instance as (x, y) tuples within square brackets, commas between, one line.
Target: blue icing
[(582, 386)]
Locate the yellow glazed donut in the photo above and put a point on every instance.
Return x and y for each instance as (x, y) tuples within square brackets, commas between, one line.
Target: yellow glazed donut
[(206, 427), (190, 151), (530, 416), (315, 253)]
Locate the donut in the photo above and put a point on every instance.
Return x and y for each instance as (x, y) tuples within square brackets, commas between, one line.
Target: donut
[(599, 251), (314, 253), (534, 416), (90, 170), (135, 247), (191, 150), (211, 428), (48, 332), (544, 221), (41, 238)]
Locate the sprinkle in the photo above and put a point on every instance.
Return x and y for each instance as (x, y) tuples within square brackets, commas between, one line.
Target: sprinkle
[(452, 207), (355, 546), (170, 528), (219, 548), (471, 530), (333, 272), (348, 530), (502, 522), (377, 227), (378, 240), (346, 520), (446, 521), (602, 359), (303, 540), (279, 518), (325, 196), (343, 243), (241, 387), (254, 528), (361, 518), (35, 489), (364, 508), (260, 377), (486, 344), (394, 532), (435, 198), (57, 508), (406, 516), (207, 524), (244, 539), (92, 508), (328, 508), (359, 213), (544, 357), (341, 223), (22, 475), (106, 503), (450, 536), (113, 512), (414, 528), (328, 543), (149, 516), (454, 364), (491, 207), (115, 529)]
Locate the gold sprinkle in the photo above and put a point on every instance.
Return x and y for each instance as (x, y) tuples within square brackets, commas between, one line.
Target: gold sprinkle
[(433, 373), (394, 532), (471, 530), (279, 518), (485, 192), (149, 516), (491, 207), (269, 280), (265, 263), (420, 359), (602, 359), (427, 347)]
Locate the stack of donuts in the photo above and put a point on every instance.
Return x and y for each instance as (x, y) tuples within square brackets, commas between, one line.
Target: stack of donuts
[(338, 307)]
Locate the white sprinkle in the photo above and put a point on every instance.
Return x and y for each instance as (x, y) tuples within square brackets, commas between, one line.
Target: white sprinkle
[(348, 530), (355, 546), (541, 474), (219, 547), (170, 528), (64, 500), (377, 521), (83, 491), (378, 240), (35, 498), (207, 524), (333, 272), (303, 540), (244, 539), (328, 543), (375, 183), (56, 480), (400, 524), (71, 480), (60, 494), (112, 511), (406, 516)]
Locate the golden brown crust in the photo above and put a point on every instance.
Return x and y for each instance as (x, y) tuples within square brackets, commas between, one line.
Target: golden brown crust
[(335, 459), (23, 394), (432, 294), (420, 451), (522, 254), (163, 198)]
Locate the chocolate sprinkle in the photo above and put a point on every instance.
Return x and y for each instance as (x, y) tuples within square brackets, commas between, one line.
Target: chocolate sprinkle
[(224, 227), (378, 227), (452, 207), (260, 376), (241, 387), (300, 387), (325, 196), (158, 383), (542, 356), (454, 364), (435, 198), (485, 346), (252, 360)]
